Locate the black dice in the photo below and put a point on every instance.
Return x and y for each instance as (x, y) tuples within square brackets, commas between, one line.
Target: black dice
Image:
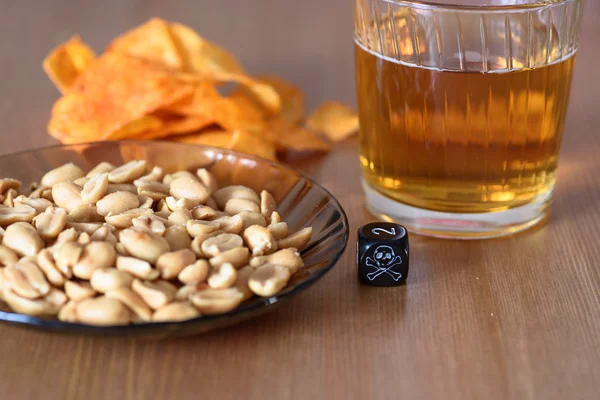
[(382, 254)]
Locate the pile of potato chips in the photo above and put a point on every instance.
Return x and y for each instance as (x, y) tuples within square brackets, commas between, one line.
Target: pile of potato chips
[(162, 80)]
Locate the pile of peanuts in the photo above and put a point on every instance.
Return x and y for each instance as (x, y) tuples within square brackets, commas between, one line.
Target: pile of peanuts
[(132, 244)]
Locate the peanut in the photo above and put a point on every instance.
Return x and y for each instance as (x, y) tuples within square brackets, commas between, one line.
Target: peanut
[(105, 280), (103, 167), (10, 215), (23, 239), (155, 294), (96, 255), (297, 241), (269, 279), (260, 240), (68, 172), (128, 172), (67, 195), (136, 267), (117, 203), (172, 263), (78, 291), (177, 311), (194, 273), (103, 311), (222, 196), (218, 244), (51, 222), (95, 188), (142, 244), (216, 301)]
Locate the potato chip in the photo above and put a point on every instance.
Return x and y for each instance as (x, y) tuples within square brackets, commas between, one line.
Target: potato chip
[(207, 137), (229, 113), (136, 127), (291, 97), (111, 93), (151, 41), (64, 64), (201, 55), (176, 126), (335, 120), (288, 136), (263, 93), (250, 144)]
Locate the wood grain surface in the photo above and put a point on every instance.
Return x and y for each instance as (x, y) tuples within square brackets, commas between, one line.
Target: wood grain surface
[(516, 318)]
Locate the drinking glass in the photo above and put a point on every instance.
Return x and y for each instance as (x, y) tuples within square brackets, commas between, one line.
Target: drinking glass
[(462, 106)]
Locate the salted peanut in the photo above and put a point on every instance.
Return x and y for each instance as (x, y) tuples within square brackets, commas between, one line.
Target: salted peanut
[(198, 227), (236, 206), (184, 292), (9, 183), (169, 178), (143, 244), (260, 240), (103, 311), (216, 301), (87, 227), (237, 257), (150, 223), (155, 294), (116, 203), (67, 195), (177, 311), (241, 283), (250, 218), (1, 234), (279, 230), (223, 195), (51, 222), (103, 167), (125, 219), (104, 233), (210, 202), (27, 279), (78, 291), (189, 189), (132, 300), (181, 204), (154, 190), (121, 187), (222, 277), (172, 263), (267, 204), (47, 305), (156, 174), (68, 172), (275, 218), (218, 244), (7, 256), (95, 188), (194, 273), (208, 180), (23, 239), (95, 255), (105, 280), (45, 261), (145, 201), (10, 215), (289, 258), (9, 197), (178, 237), (66, 255), (84, 238), (297, 241), (203, 213), (179, 217), (269, 279), (231, 224), (81, 181), (128, 172), (136, 267), (121, 250), (39, 205), (68, 312)]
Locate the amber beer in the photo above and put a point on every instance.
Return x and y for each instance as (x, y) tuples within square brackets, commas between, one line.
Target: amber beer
[(460, 141)]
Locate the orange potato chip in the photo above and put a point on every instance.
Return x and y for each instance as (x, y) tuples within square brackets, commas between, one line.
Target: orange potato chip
[(207, 137), (64, 64), (229, 113), (151, 41), (336, 120), (201, 55), (291, 97), (136, 127), (251, 144), (111, 93), (288, 136), (176, 126)]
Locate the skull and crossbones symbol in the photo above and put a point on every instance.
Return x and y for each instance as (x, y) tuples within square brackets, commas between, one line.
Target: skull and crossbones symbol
[(384, 260)]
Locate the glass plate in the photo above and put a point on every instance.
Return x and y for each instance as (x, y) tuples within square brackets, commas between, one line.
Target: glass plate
[(301, 202)]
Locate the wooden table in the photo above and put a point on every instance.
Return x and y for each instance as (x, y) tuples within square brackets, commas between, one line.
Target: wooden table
[(517, 318)]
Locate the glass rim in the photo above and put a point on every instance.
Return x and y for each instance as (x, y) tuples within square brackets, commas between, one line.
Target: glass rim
[(435, 5)]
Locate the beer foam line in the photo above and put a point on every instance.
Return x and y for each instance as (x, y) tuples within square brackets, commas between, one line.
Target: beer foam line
[(498, 71)]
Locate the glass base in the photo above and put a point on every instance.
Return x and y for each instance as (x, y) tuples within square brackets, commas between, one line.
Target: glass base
[(457, 225)]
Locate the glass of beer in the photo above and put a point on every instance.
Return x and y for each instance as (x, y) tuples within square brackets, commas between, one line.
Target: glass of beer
[(462, 109)]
